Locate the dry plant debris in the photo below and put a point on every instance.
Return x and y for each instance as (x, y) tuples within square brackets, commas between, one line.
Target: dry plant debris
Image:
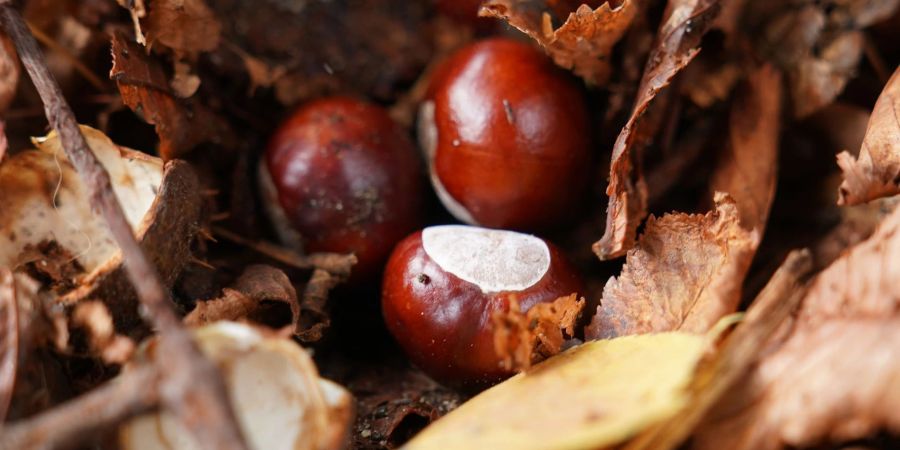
[(832, 376), (583, 43), (684, 23), (523, 339), (652, 294), (875, 172)]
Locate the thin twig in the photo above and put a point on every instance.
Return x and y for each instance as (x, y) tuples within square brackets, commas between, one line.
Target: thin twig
[(203, 408), (334, 263), (133, 393)]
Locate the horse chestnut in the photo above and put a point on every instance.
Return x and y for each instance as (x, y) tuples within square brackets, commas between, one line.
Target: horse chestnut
[(341, 176), (443, 284), (505, 133)]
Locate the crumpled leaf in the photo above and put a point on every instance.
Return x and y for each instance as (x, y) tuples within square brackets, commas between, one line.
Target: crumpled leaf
[(684, 274), (876, 172), (748, 165), (186, 26), (257, 284), (685, 22), (834, 375), (592, 396), (180, 124), (583, 43), (522, 339)]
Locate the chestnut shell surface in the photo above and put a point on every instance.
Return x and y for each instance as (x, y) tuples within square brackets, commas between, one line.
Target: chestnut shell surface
[(506, 135), (444, 323), (346, 179)]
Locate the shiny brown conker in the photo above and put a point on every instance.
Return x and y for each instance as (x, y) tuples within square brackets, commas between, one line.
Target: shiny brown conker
[(506, 136), (340, 176), (443, 284)]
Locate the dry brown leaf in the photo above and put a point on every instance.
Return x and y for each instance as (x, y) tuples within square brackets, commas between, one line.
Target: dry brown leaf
[(257, 284), (834, 382), (719, 370), (522, 339), (679, 34), (186, 26), (684, 274), (876, 172), (834, 376), (180, 125), (583, 43), (748, 166)]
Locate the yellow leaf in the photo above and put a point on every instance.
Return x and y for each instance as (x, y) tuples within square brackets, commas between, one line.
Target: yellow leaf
[(592, 396)]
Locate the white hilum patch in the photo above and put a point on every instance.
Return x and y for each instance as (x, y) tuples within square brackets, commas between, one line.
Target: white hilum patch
[(493, 260)]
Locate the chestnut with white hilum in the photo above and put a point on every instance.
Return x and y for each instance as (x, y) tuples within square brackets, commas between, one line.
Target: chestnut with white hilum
[(506, 137), (442, 285)]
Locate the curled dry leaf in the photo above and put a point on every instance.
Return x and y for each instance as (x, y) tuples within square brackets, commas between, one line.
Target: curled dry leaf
[(748, 165), (180, 124), (258, 283), (185, 26), (834, 376), (583, 43), (278, 396), (685, 22), (45, 201), (876, 172), (684, 275), (523, 339), (591, 396)]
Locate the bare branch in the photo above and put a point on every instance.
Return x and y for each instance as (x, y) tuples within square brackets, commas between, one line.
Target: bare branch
[(202, 407), (133, 393)]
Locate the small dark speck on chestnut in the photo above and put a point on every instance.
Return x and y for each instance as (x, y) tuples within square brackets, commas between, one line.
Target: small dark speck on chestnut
[(444, 325)]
